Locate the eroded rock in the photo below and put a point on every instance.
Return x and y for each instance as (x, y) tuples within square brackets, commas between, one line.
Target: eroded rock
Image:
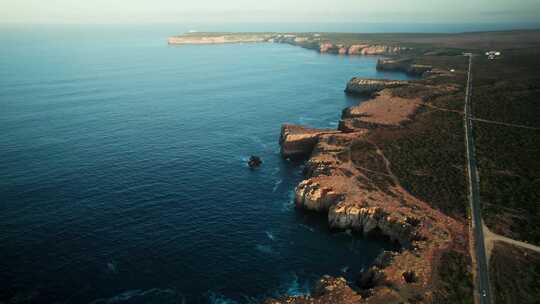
[(349, 178), (254, 161), (328, 290), (298, 142), (370, 278), (403, 65), (366, 87)]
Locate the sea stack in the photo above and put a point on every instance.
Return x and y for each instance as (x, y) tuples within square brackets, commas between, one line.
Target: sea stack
[(254, 161)]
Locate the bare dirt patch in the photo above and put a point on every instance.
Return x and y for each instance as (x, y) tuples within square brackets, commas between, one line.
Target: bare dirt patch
[(386, 109)]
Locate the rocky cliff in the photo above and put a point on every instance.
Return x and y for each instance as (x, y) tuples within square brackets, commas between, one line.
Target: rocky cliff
[(403, 65), (298, 142), (349, 178), (362, 49), (366, 87)]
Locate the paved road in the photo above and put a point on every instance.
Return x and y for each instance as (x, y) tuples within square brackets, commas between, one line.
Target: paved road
[(474, 198)]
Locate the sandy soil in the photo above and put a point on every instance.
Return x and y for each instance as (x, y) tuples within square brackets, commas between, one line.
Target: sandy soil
[(386, 109)]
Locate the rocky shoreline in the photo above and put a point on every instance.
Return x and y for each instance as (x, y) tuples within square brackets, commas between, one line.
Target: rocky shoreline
[(349, 178)]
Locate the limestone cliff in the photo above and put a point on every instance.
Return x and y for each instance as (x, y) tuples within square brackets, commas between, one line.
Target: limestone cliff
[(298, 142), (349, 178), (366, 87), (403, 65)]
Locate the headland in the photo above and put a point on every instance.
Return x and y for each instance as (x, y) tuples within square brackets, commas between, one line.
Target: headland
[(395, 166)]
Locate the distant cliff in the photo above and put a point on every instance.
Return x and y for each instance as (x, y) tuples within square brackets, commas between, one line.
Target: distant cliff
[(309, 40), (218, 39)]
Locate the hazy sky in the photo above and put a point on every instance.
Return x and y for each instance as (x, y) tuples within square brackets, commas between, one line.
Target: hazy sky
[(134, 11)]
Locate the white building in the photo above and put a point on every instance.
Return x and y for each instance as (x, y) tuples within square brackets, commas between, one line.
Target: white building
[(493, 54)]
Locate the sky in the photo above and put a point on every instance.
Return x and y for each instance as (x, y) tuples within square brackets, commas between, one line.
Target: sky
[(158, 11)]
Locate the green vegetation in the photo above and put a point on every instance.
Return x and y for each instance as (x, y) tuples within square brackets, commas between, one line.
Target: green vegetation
[(510, 180), (508, 90)]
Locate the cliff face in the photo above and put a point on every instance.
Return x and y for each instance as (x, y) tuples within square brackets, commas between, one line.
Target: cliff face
[(403, 65), (349, 178), (361, 49), (298, 142), (366, 87)]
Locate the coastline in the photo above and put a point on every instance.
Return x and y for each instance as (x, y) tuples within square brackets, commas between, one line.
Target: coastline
[(349, 178), (312, 41), (395, 166)]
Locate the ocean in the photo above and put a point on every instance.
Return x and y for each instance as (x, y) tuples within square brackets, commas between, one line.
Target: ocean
[(124, 176)]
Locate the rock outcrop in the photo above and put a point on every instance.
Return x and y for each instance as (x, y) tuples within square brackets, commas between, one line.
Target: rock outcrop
[(254, 161), (361, 49), (366, 87), (298, 142), (403, 65)]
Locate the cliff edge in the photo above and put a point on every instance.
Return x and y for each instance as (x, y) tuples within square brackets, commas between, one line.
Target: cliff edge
[(349, 177)]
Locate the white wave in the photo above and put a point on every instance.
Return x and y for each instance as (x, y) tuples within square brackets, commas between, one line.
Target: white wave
[(260, 142), (345, 269), (288, 204), (264, 249), (270, 235), (276, 185), (305, 119), (296, 288), (333, 124)]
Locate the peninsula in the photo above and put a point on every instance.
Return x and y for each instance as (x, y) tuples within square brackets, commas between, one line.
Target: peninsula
[(396, 166)]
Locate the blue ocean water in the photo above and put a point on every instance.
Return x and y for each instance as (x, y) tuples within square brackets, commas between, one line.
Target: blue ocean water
[(124, 178)]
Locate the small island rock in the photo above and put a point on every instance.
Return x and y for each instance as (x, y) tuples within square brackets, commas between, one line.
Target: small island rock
[(254, 161)]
